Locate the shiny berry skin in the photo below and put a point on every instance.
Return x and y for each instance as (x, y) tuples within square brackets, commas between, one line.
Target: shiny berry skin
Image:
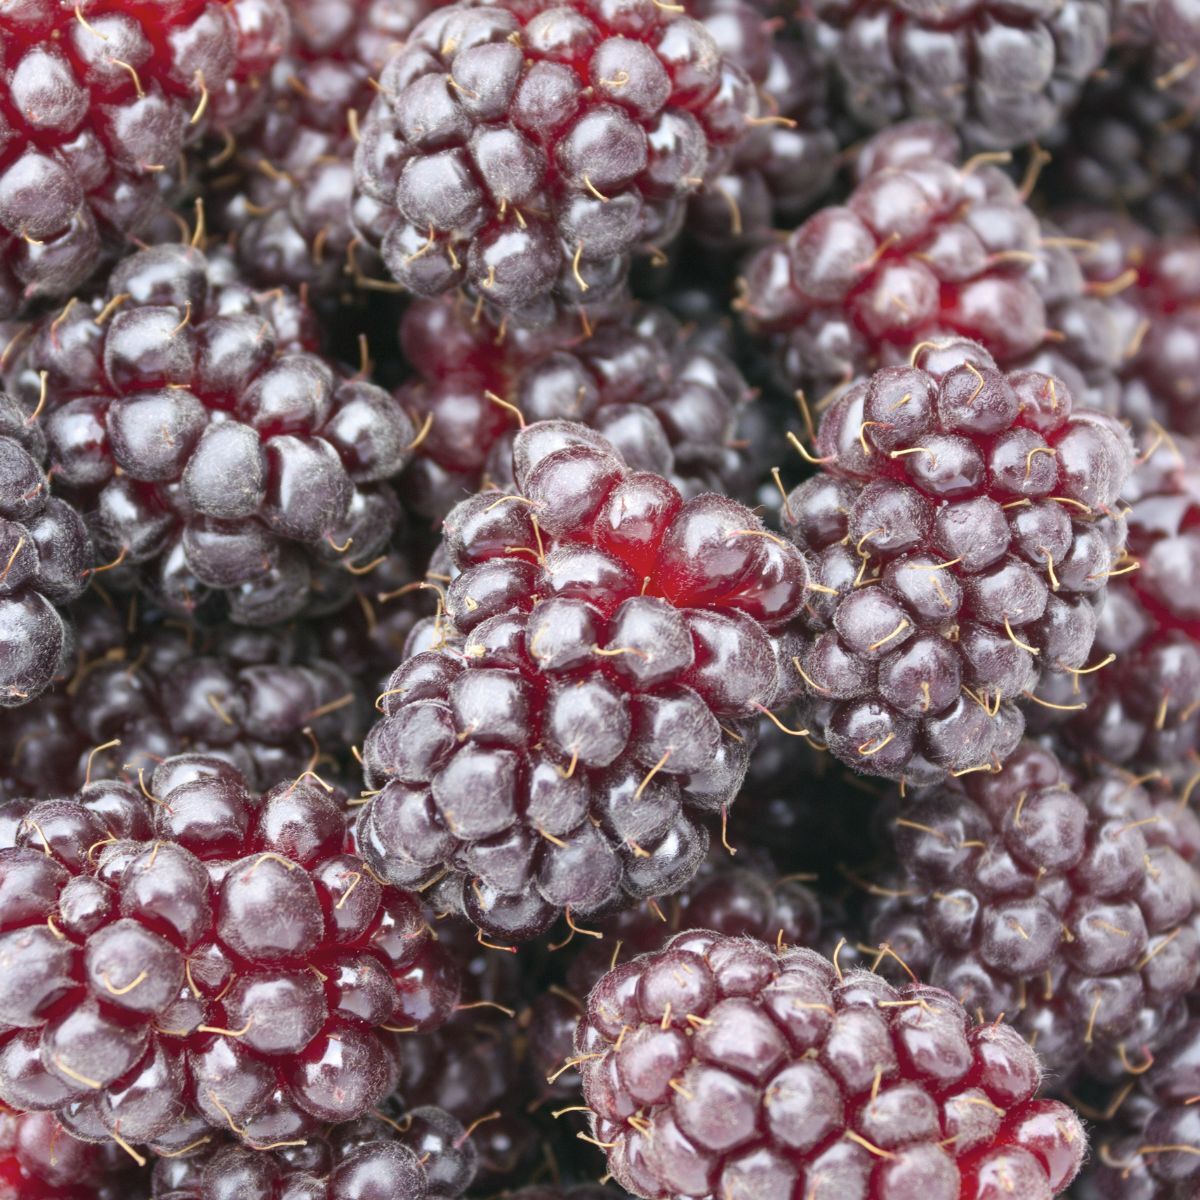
[(588, 693), (40, 1160), (1068, 904), (664, 395), (98, 103), (217, 452), (1000, 77), (424, 1155), (201, 956), (963, 528), (923, 248), (527, 150), (723, 1065), (45, 560)]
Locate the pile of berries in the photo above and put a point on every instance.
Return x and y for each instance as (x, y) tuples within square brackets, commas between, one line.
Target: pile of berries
[(598, 598)]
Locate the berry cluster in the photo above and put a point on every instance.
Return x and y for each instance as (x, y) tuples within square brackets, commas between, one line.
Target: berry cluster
[(603, 653), (721, 1067), (962, 533), (189, 955)]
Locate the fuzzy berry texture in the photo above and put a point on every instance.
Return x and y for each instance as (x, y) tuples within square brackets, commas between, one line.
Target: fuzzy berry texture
[(219, 457), (40, 1160), (289, 204), (723, 1067), (424, 1155), (245, 696), (1142, 708), (527, 149), (45, 561), (1145, 1146), (1068, 904), (999, 75), (962, 534), (789, 158), (922, 248), (665, 396), (204, 958), (1175, 41), (98, 102), (589, 692)]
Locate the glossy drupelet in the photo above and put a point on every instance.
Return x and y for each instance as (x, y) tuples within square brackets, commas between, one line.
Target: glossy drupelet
[(98, 102), (40, 1160), (924, 247), (219, 455), (962, 531), (1068, 903), (527, 149), (667, 396), (45, 561), (590, 692), (1143, 706), (1001, 75), (724, 1067), (422, 1154), (196, 956)]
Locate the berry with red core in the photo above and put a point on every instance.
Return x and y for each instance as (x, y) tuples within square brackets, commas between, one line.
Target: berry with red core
[(218, 453), (922, 248), (1148, 1133), (1141, 709), (99, 102), (595, 676), (189, 954), (289, 209), (665, 395), (422, 1154), (724, 1066), (1068, 903), (527, 149), (1000, 77), (40, 1160), (45, 560), (962, 533)]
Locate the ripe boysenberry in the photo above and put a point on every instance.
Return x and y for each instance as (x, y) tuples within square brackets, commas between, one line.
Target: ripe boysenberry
[(526, 148), (592, 690), (723, 1067), (197, 955), (962, 536), (216, 451), (40, 1160)]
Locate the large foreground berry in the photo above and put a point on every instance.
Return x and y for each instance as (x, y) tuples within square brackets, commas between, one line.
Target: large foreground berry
[(216, 452), (1068, 904), (198, 955), (45, 560), (723, 1067), (962, 534), (424, 1155), (590, 692), (667, 397), (923, 248), (97, 102), (999, 75), (527, 149)]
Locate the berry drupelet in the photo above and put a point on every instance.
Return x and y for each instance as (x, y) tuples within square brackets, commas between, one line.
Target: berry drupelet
[(45, 561), (723, 1067), (216, 452), (662, 394), (1068, 904), (961, 534), (526, 149), (40, 1160), (1142, 710), (602, 657), (188, 954), (424, 1155), (98, 102), (922, 248), (999, 75)]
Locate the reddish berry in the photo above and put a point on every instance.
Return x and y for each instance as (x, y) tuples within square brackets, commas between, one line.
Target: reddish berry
[(40, 1160)]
